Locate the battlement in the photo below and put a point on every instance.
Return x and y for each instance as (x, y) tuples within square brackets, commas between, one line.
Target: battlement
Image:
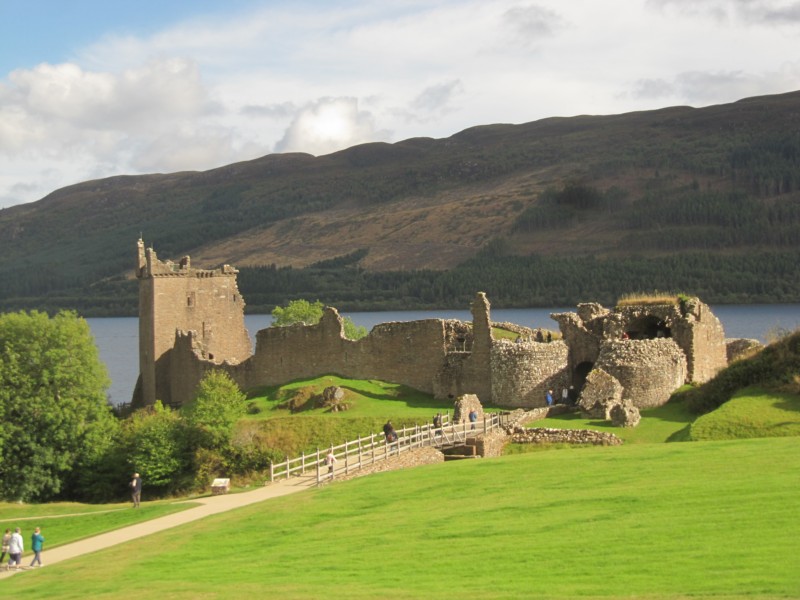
[(149, 265)]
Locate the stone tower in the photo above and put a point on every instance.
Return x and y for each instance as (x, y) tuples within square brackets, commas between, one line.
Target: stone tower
[(175, 297)]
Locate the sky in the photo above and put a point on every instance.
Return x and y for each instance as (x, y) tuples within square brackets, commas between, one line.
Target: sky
[(95, 88)]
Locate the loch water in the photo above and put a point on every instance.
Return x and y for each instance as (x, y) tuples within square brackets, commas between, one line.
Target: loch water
[(117, 338)]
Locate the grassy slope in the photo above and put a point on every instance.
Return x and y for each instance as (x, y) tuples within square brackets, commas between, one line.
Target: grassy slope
[(365, 398), (752, 412), (643, 520)]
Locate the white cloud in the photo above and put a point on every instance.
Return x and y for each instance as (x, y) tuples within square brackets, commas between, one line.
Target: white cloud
[(327, 125), (751, 12)]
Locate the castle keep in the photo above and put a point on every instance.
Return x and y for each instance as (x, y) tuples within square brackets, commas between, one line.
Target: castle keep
[(192, 321), (176, 297)]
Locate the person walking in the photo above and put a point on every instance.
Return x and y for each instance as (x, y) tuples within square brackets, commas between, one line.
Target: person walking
[(549, 397), (136, 489), (389, 432), (5, 543), (37, 542), (437, 424), (15, 548), (331, 461), (473, 418)]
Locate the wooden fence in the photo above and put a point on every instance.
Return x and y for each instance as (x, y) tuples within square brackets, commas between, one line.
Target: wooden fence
[(363, 451)]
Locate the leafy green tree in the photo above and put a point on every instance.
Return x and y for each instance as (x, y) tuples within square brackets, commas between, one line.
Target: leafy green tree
[(297, 311), (310, 313), (219, 404), (53, 404), (157, 446)]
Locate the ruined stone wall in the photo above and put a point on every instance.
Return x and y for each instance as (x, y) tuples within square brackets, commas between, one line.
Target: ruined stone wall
[(404, 352), (491, 445), (702, 338), (523, 372), (476, 376), (695, 329), (187, 366), (738, 348), (545, 435), (583, 343), (649, 370)]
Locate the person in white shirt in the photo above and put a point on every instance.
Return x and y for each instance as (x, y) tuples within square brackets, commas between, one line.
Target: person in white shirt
[(15, 549)]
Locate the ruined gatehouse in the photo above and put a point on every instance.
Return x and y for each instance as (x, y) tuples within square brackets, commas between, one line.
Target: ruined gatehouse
[(192, 321)]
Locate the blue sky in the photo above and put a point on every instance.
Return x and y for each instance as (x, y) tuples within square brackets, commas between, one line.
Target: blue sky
[(35, 31), (91, 89)]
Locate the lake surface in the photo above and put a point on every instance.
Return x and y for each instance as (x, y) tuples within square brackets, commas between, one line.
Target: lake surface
[(118, 338)]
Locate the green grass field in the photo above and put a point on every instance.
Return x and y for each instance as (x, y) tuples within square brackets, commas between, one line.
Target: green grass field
[(715, 518), (656, 521)]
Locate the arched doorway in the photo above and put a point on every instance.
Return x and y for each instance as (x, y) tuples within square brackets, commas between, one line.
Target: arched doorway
[(580, 374)]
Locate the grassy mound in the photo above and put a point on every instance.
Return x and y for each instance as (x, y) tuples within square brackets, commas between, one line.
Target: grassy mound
[(751, 413), (370, 403), (652, 521), (776, 367)]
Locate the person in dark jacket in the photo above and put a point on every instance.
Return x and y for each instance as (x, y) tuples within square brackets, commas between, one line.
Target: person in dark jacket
[(136, 489), (389, 432)]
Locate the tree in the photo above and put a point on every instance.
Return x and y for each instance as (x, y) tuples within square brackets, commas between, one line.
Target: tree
[(297, 311), (303, 311), (156, 445), (219, 404), (53, 403)]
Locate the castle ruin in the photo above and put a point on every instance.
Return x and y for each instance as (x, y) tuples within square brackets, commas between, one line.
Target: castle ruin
[(192, 321)]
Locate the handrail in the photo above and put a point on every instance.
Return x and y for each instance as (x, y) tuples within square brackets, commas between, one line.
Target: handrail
[(356, 454)]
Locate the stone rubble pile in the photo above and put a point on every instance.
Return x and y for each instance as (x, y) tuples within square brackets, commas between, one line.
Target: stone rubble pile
[(545, 435)]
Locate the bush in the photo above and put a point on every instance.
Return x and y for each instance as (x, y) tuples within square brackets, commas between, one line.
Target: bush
[(157, 446)]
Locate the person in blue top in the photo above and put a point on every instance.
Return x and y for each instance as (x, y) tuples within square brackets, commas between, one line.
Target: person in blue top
[(473, 418), (37, 543), (549, 397)]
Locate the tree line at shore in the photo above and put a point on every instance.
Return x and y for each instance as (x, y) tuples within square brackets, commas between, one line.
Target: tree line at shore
[(510, 282)]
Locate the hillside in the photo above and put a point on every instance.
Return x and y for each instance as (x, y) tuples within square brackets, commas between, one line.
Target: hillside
[(718, 182)]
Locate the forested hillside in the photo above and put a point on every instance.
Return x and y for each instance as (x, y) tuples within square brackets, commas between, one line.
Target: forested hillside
[(553, 212)]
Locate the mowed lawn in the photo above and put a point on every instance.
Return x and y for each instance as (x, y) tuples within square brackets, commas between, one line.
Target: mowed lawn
[(656, 521)]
